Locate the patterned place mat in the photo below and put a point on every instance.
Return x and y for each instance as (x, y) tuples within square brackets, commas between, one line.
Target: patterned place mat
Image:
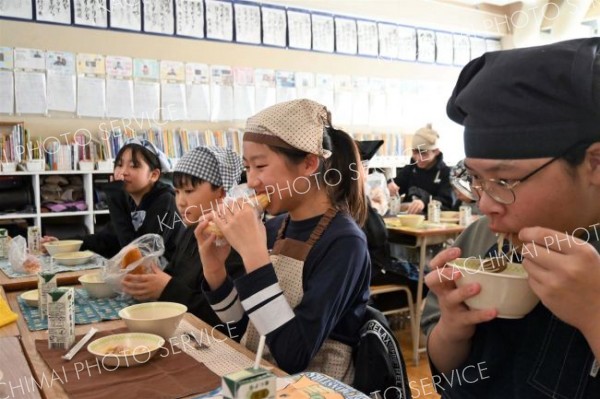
[(87, 310), (95, 263)]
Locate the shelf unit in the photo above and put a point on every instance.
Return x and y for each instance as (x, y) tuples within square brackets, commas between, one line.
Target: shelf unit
[(39, 217)]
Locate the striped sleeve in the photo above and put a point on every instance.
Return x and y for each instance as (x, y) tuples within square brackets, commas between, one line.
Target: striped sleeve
[(263, 300), (225, 301)]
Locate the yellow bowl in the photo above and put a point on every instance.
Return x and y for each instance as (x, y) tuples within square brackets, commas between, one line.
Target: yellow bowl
[(125, 350), (507, 291), (411, 220), (31, 298), (62, 246), (95, 285), (160, 318), (73, 258)]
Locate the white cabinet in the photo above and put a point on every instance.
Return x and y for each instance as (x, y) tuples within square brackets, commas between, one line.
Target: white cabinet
[(39, 218)]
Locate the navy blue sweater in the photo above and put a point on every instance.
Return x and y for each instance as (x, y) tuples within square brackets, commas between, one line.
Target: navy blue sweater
[(336, 289)]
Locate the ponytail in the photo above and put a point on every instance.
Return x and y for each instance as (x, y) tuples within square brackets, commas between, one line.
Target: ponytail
[(349, 194)]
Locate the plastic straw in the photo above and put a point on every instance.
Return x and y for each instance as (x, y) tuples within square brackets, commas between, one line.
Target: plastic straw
[(259, 351)]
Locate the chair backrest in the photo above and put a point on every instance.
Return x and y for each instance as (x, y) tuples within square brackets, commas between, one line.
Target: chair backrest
[(379, 365)]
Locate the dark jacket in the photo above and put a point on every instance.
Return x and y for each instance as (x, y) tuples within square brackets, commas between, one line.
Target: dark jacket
[(160, 218), (185, 268), (422, 183)]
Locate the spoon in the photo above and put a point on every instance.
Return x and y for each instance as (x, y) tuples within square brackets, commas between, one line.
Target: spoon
[(494, 265), (197, 343)]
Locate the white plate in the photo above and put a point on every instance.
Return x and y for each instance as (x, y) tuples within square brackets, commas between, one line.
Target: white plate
[(31, 298), (74, 258), (126, 350)]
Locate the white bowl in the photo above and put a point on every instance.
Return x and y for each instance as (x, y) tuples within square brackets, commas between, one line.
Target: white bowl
[(507, 291), (125, 350), (411, 220), (161, 318), (31, 298), (57, 247), (95, 285), (73, 258)]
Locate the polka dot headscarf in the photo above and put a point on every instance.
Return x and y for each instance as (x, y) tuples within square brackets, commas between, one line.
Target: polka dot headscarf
[(298, 124)]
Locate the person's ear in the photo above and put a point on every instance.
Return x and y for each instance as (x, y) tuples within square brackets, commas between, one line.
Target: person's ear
[(310, 165), (592, 160), (154, 175)]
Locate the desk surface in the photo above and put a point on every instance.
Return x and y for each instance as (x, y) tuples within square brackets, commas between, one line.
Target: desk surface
[(428, 231), (40, 368), (30, 282)]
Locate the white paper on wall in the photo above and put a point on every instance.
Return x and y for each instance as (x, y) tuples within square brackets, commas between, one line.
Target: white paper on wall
[(265, 89), (53, 11), (29, 58), (61, 80), (173, 102), (323, 38), (221, 93), (377, 102), (324, 87), (305, 85), (368, 38), (190, 18), (408, 43), (90, 13), (343, 100), (119, 98), (389, 40), (198, 102), (219, 20), (243, 93), (426, 45), (444, 48), (360, 105), (146, 99), (7, 93), (299, 29), (91, 98), (247, 23), (346, 41), (158, 16), (126, 14), (274, 26), (286, 86), (478, 47), (16, 9), (30, 93)]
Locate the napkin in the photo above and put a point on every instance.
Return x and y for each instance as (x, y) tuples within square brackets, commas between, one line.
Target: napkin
[(7, 316)]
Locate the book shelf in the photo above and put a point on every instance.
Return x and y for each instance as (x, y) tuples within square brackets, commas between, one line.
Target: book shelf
[(38, 217)]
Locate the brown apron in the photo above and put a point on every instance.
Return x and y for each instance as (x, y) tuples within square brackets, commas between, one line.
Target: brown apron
[(333, 358)]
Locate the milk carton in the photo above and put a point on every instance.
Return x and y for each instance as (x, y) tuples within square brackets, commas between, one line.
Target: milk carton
[(254, 383), (46, 283), (34, 240), (61, 318)]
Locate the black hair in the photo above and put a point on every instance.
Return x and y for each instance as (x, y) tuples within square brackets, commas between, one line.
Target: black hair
[(138, 151), (348, 195), (181, 179)]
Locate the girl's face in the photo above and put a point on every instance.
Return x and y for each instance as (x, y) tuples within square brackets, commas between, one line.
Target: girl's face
[(193, 202), (136, 175), (268, 172)]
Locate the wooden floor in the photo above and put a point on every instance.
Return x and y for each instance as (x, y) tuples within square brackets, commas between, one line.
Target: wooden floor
[(419, 377)]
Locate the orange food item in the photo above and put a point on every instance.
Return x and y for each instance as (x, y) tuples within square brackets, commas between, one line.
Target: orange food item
[(133, 255)]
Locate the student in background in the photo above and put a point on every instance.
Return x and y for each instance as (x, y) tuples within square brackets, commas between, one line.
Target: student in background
[(532, 141), (460, 186), (307, 281), (138, 202), (426, 176), (201, 178)]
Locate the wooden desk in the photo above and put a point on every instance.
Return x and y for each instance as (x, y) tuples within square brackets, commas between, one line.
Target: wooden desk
[(30, 282), (9, 330), (421, 238), (41, 369)]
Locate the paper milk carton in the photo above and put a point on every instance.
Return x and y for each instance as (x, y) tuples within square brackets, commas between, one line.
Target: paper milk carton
[(46, 283), (34, 240), (250, 383), (61, 318)]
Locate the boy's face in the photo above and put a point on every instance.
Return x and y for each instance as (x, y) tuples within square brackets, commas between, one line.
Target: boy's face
[(555, 197), (192, 201)]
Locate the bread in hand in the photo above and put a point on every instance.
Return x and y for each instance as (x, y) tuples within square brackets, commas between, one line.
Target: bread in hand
[(262, 201), (133, 255)]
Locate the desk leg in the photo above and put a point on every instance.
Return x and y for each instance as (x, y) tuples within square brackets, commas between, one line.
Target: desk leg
[(416, 334)]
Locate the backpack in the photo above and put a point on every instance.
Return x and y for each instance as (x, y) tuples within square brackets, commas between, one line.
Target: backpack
[(378, 362)]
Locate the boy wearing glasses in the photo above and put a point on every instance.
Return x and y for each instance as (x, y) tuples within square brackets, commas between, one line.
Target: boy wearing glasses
[(532, 141), (427, 176)]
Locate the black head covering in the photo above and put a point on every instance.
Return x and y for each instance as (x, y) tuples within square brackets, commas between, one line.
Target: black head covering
[(529, 103), (368, 148)]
